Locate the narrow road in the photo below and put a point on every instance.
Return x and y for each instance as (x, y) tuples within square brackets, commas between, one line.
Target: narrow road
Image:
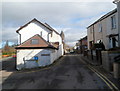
[(70, 72)]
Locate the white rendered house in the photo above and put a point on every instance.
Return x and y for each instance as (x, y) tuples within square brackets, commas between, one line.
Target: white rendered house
[(39, 45)]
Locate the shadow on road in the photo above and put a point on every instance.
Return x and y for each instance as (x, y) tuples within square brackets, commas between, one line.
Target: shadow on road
[(9, 65)]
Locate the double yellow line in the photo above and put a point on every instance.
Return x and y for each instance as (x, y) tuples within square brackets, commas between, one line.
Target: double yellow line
[(111, 85)]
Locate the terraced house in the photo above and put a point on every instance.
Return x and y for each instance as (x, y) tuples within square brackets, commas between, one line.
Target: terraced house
[(104, 30), (39, 45)]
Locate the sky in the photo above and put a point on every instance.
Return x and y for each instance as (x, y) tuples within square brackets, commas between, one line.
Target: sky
[(70, 17)]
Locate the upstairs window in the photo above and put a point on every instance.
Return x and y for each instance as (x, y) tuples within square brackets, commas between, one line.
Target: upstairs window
[(113, 22), (34, 41), (100, 27), (91, 30)]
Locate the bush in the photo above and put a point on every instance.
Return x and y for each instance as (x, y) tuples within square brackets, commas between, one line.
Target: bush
[(4, 53)]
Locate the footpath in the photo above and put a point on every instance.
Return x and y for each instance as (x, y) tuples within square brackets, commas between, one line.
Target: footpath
[(100, 69)]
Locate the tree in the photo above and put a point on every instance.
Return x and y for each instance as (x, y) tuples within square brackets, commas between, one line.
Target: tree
[(8, 50)]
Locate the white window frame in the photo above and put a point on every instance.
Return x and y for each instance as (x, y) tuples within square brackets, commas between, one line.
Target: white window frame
[(35, 40), (113, 22), (91, 30), (100, 27)]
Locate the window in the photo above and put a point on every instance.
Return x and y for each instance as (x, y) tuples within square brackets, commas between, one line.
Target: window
[(91, 30), (34, 41), (113, 22), (100, 27)]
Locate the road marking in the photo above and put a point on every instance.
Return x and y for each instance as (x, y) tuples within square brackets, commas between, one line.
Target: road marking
[(104, 78)]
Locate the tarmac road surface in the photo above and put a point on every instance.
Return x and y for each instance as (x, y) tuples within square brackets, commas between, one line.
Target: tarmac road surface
[(70, 72)]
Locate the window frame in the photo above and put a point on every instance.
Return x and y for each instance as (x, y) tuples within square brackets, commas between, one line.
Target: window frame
[(100, 27), (91, 30), (113, 22), (34, 43)]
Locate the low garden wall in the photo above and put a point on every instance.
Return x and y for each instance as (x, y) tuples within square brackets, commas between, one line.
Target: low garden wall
[(108, 59)]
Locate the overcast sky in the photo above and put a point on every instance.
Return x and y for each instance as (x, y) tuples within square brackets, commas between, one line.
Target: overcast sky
[(70, 17)]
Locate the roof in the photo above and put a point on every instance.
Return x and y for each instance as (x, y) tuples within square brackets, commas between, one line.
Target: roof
[(45, 25), (103, 17), (50, 28), (55, 44), (41, 43), (84, 38)]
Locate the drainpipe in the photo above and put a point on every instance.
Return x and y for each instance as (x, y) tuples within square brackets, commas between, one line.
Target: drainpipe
[(117, 2), (93, 35), (49, 37), (19, 38), (118, 10)]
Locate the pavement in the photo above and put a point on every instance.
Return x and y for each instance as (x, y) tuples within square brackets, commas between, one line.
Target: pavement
[(69, 72)]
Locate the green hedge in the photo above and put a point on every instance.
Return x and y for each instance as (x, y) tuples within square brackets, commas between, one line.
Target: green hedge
[(10, 53)]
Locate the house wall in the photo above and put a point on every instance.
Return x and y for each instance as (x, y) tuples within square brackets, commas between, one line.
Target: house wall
[(28, 54), (106, 30), (110, 30), (57, 38), (108, 59), (32, 29), (101, 35), (97, 34), (104, 34), (89, 36)]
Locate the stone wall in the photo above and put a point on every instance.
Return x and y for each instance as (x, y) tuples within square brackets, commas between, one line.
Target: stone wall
[(108, 59)]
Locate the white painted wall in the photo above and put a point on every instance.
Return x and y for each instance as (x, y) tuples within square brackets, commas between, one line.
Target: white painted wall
[(33, 29), (28, 54), (55, 38)]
